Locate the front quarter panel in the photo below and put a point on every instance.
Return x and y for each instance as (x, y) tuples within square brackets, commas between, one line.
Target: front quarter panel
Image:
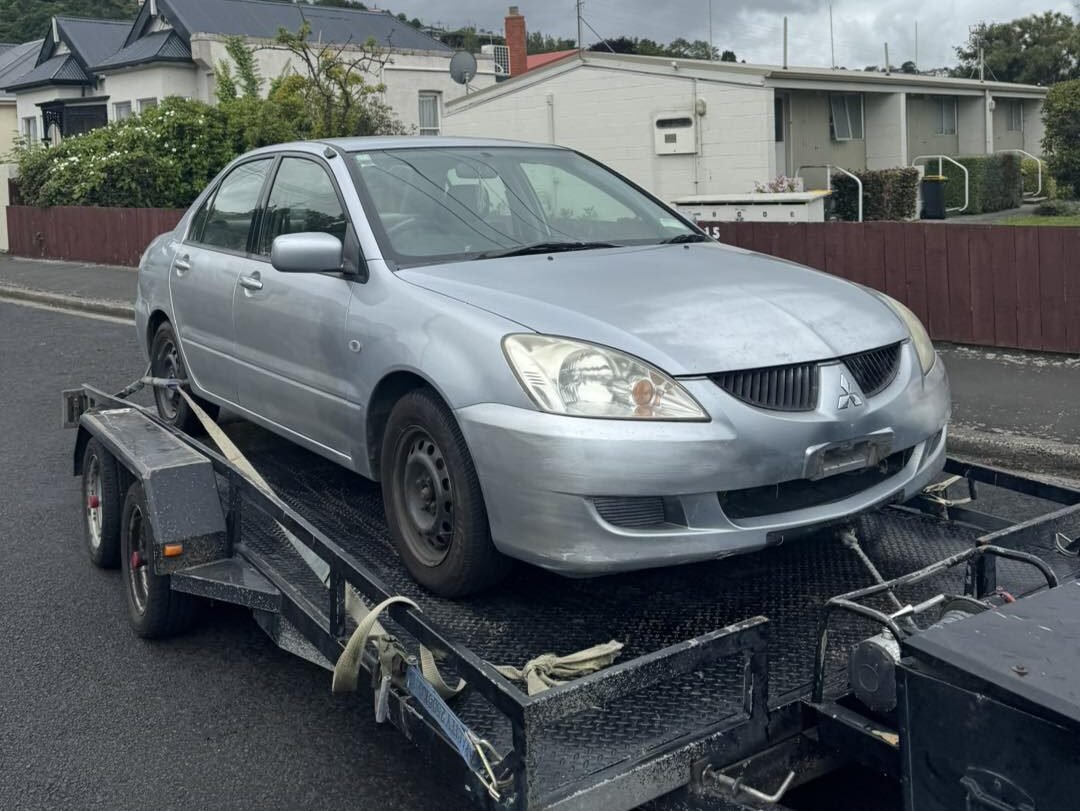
[(455, 347)]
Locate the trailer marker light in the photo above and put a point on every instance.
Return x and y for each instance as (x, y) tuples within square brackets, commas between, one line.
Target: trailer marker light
[(93, 502), (172, 550)]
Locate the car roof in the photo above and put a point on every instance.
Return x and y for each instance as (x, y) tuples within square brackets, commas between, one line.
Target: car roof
[(361, 144)]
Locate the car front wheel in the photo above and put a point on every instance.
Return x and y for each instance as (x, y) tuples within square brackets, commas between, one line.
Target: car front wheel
[(433, 501)]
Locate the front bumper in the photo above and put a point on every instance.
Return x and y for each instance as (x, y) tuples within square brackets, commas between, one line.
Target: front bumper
[(540, 472)]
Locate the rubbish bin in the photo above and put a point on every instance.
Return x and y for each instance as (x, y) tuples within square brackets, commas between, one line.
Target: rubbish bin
[(933, 196)]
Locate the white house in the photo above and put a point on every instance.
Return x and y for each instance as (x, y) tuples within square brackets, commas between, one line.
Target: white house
[(682, 127), (15, 60), (88, 72)]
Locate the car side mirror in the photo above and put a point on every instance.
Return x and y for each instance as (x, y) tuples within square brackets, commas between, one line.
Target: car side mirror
[(311, 252)]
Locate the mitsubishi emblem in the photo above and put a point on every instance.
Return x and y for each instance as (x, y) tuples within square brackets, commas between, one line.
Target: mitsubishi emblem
[(847, 396)]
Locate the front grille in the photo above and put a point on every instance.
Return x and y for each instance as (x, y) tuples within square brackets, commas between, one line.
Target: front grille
[(874, 370), (800, 494), (778, 388), (631, 513)]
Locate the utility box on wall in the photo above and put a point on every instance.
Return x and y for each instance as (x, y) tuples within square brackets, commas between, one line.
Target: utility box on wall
[(675, 134)]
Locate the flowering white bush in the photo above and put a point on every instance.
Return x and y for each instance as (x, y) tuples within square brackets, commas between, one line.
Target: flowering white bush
[(779, 184)]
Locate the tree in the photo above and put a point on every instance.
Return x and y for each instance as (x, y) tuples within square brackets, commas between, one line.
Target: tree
[(1061, 143), (679, 48), (25, 20), (539, 43), (728, 56), (1038, 49), (247, 80), (909, 67)]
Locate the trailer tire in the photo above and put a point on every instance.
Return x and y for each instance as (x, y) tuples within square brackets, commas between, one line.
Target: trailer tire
[(433, 502), (154, 609), (166, 361), (102, 504)]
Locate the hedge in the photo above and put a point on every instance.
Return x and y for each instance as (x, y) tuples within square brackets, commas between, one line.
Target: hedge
[(1030, 171), (995, 182), (1061, 115), (888, 194)]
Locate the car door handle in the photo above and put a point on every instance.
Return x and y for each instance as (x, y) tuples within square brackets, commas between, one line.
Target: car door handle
[(182, 265), (252, 282)]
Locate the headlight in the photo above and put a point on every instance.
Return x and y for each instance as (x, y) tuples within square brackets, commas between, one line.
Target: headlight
[(924, 347), (584, 380)]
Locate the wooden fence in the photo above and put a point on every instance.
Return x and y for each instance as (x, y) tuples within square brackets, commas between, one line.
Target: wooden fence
[(988, 285), (110, 236)]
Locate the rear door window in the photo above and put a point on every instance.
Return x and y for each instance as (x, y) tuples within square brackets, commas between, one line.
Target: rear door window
[(224, 221)]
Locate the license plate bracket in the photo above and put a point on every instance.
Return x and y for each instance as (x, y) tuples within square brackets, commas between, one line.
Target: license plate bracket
[(845, 457)]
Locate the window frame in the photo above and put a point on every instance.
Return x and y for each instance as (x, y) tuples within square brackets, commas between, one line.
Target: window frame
[(1015, 115), (940, 126), (149, 103), (834, 132), (436, 96), (256, 218), (255, 238), (118, 105), (30, 129)]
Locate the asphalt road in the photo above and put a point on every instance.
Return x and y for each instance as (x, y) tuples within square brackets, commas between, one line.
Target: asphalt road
[(91, 716)]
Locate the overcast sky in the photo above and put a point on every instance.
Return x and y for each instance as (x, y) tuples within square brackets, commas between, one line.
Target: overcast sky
[(752, 28)]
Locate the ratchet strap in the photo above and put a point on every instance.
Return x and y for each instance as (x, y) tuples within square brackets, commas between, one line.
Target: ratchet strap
[(550, 670), (939, 492)]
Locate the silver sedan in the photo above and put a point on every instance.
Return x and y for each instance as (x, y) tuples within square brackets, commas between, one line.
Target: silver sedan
[(536, 359)]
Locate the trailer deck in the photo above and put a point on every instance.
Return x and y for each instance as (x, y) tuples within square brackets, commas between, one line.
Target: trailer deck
[(719, 658)]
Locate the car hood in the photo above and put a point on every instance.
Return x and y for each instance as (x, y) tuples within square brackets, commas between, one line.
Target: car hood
[(688, 309)]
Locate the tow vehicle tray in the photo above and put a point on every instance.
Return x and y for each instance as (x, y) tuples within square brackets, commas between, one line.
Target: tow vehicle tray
[(537, 612)]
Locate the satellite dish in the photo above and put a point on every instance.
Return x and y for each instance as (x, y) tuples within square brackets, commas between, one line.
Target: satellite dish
[(463, 67)]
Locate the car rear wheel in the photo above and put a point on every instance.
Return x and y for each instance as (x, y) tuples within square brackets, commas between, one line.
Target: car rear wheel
[(433, 501), (166, 362)]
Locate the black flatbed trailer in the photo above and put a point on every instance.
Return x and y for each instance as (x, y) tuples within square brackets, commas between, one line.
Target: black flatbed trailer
[(733, 672)]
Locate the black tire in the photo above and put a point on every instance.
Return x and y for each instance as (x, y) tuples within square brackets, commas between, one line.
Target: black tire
[(166, 361), (154, 609), (102, 504), (441, 533)]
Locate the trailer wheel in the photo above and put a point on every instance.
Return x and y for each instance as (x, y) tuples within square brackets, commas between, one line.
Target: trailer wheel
[(433, 501), (102, 503), (154, 609), (166, 361)]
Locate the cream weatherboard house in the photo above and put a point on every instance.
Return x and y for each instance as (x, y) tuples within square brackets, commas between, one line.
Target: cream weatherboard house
[(88, 72), (683, 127), (15, 60)]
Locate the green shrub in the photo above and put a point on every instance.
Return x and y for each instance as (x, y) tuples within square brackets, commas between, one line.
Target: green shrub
[(994, 182), (1057, 208), (1030, 172), (160, 159), (888, 194), (1061, 143)]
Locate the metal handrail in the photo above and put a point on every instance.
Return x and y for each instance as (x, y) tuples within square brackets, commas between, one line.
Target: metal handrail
[(1038, 163), (828, 167), (967, 177)]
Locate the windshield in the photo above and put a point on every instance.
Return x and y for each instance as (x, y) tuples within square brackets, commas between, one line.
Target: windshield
[(431, 205)]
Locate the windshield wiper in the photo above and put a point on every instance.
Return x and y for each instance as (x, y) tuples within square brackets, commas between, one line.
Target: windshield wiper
[(681, 238), (546, 247)]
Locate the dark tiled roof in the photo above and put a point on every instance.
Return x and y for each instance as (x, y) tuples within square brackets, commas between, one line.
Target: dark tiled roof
[(93, 40), (63, 69), (17, 61), (158, 46), (258, 18)]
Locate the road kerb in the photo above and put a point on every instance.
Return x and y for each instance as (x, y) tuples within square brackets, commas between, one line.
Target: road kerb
[(116, 309)]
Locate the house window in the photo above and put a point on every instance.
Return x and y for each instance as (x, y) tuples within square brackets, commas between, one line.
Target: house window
[(122, 110), (30, 130), (147, 104), (945, 116), (429, 113), (1016, 116), (846, 116), (778, 118)]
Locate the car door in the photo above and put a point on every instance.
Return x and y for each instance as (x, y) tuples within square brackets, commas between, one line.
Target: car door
[(204, 276), (291, 327)]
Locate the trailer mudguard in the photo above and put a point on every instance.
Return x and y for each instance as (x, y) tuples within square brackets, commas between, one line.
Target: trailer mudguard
[(181, 487)]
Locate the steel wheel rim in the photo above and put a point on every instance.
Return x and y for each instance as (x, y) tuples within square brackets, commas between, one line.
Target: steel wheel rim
[(167, 365), (425, 496), (92, 499), (138, 574)]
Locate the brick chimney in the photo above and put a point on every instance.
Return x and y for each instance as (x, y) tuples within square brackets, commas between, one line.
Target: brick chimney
[(515, 42)]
